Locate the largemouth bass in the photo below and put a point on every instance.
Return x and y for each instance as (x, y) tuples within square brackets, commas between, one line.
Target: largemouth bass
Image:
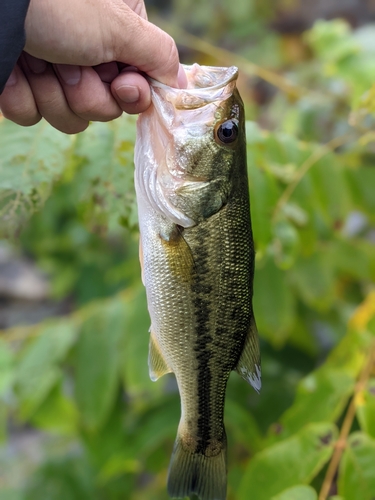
[(197, 258)]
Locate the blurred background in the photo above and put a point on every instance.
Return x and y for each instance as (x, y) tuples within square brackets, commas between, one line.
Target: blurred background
[(79, 417)]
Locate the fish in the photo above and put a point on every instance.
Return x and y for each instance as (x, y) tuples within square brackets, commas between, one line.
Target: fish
[(197, 259)]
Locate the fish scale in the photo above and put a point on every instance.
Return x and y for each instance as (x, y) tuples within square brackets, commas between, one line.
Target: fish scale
[(197, 263)]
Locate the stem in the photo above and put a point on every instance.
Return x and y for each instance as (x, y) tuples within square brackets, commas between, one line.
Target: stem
[(346, 426)]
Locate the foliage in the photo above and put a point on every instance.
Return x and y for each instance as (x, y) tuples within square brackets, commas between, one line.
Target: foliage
[(105, 431), (98, 160)]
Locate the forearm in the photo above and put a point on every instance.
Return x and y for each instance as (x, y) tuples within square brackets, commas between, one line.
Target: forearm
[(12, 35)]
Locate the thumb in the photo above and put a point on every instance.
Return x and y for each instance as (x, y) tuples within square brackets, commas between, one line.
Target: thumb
[(141, 44)]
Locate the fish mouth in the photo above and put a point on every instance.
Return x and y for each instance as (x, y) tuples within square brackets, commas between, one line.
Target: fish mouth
[(191, 112), (206, 85), (178, 122), (209, 77)]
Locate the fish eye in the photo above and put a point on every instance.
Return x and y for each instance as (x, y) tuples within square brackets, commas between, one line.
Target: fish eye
[(227, 132)]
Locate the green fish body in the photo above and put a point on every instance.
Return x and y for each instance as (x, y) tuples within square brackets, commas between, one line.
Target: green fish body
[(197, 257)]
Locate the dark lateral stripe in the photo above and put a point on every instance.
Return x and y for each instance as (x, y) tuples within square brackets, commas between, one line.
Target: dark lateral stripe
[(202, 310)]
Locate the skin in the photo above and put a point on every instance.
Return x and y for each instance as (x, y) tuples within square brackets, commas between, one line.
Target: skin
[(83, 61)]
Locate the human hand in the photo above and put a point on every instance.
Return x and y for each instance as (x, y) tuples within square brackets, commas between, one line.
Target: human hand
[(79, 63)]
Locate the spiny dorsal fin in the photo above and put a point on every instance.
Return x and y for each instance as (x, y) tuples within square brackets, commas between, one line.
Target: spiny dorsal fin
[(248, 365), (156, 363)]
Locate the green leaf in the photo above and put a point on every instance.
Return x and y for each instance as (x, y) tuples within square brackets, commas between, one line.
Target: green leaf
[(297, 493), (302, 337), (116, 466), (356, 474), (156, 424), (286, 244), (114, 438), (347, 57), (3, 422), (351, 257), (33, 392), (242, 425), (332, 39), (32, 159), (330, 189), (100, 160), (314, 279), (7, 494), (332, 383), (57, 414), (97, 363), (365, 406), (291, 462), (333, 387), (295, 214), (350, 354), (38, 369), (6, 367), (362, 180), (264, 191), (263, 197), (274, 305), (103, 179), (149, 430), (61, 479), (134, 347)]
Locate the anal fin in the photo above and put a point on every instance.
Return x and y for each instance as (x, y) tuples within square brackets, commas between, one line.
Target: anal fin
[(156, 363), (248, 366)]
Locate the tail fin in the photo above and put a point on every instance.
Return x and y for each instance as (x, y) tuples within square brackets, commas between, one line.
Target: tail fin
[(195, 473)]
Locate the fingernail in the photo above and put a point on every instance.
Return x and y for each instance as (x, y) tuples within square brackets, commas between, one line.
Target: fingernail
[(182, 78), (128, 94), (35, 65), (70, 74), (12, 80)]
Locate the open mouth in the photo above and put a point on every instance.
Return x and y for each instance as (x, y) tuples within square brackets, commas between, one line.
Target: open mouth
[(206, 84)]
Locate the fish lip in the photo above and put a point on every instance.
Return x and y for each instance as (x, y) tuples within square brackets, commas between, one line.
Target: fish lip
[(229, 74), (220, 82)]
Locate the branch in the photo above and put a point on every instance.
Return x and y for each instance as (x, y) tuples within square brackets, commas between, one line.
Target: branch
[(346, 426)]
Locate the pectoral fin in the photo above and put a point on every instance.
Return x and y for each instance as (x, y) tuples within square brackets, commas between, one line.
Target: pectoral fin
[(249, 363), (180, 257), (156, 363)]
